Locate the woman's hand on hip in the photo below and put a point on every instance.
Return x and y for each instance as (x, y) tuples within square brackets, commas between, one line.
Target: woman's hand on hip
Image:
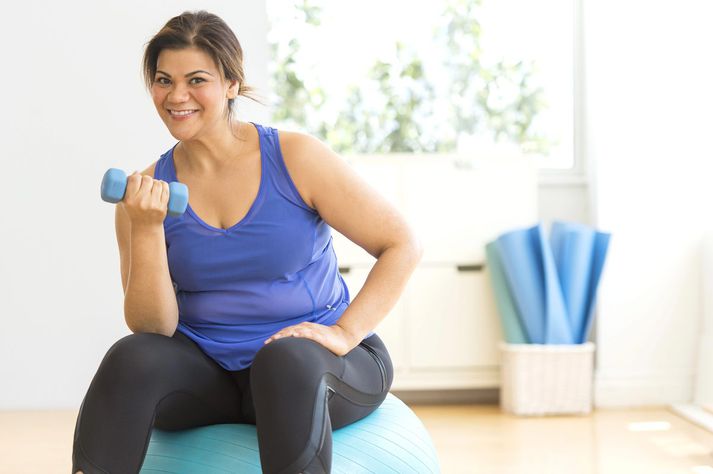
[(333, 337)]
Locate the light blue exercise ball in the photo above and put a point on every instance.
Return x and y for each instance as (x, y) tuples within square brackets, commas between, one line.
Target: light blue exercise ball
[(392, 439)]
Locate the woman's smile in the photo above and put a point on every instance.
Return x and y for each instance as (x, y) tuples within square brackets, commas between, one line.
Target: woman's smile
[(182, 114)]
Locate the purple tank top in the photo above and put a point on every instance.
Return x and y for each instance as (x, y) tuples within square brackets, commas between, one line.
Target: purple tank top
[(276, 267)]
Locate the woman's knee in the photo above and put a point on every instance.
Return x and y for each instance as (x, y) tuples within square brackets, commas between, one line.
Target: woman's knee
[(289, 357), (137, 356)]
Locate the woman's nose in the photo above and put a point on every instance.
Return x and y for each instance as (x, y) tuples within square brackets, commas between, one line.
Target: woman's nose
[(178, 94)]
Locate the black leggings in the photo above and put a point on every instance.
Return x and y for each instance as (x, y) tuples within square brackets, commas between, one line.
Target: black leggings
[(150, 380)]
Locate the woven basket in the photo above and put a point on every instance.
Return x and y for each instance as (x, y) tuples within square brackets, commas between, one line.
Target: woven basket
[(539, 379)]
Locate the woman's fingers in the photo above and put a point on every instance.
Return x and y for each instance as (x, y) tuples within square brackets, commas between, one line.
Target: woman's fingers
[(300, 330)]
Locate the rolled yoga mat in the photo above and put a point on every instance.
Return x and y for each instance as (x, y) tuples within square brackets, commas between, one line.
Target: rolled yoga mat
[(512, 324), (531, 274), (579, 252)]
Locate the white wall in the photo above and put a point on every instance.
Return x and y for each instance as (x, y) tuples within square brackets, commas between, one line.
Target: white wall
[(648, 104), (567, 201), (703, 394), (74, 105)]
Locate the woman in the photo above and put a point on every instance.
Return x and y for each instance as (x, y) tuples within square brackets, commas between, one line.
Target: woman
[(237, 308)]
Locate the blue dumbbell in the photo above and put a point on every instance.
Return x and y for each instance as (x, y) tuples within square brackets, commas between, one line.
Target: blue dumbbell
[(113, 188)]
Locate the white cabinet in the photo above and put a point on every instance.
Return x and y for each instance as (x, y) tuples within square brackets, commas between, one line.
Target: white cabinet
[(444, 330), (453, 308)]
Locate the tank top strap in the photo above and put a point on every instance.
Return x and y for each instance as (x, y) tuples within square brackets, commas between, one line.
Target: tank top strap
[(279, 176), (162, 170)]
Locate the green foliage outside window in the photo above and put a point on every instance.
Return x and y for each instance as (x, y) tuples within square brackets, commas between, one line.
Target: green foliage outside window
[(392, 109)]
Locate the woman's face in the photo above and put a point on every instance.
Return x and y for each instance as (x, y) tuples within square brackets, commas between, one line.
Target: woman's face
[(190, 94)]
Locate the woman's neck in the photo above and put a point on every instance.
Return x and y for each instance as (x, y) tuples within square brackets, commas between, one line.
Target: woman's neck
[(208, 155)]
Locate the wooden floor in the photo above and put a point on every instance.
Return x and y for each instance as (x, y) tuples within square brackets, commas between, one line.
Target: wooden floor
[(469, 439), (481, 439)]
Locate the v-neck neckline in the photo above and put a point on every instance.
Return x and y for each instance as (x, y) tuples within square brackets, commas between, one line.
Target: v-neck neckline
[(253, 206)]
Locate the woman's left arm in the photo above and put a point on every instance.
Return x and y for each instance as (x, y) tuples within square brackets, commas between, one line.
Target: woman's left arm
[(351, 206)]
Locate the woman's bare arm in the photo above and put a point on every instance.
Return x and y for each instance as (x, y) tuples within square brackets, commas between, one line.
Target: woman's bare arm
[(149, 299)]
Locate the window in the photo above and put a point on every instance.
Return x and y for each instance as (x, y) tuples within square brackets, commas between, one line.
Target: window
[(427, 77)]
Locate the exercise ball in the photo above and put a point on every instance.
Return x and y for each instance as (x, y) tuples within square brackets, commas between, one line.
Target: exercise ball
[(392, 439)]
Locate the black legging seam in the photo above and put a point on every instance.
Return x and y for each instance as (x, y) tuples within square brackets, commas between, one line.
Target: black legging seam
[(318, 401), (357, 392), (81, 448), (86, 458)]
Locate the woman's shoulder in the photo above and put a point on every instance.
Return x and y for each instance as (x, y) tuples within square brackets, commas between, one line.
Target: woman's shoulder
[(295, 143), (298, 150), (161, 162)]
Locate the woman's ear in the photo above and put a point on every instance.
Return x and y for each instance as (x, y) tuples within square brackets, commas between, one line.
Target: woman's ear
[(233, 89)]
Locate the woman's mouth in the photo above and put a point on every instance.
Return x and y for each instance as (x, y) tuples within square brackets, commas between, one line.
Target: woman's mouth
[(181, 114)]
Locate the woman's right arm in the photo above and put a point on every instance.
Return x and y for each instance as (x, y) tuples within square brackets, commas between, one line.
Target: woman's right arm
[(149, 298)]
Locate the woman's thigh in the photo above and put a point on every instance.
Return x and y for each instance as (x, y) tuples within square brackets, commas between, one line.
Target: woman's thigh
[(364, 384), (147, 380), (292, 368), (300, 389), (206, 394)]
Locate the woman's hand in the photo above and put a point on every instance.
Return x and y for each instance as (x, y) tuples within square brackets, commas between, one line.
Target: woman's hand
[(145, 200), (333, 337)]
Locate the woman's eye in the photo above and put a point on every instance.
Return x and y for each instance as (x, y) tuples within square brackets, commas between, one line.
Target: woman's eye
[(197, 79)]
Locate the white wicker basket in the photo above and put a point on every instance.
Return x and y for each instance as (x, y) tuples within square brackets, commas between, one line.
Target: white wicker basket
[(539, 379)]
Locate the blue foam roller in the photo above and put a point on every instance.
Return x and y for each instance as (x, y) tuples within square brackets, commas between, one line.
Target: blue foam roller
[(113, 188), (392, 439)]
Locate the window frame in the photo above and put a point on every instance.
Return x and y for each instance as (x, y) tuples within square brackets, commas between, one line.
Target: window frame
[(578, 173)]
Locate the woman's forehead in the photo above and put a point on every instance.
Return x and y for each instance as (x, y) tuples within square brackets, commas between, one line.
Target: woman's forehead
[(184, 61)]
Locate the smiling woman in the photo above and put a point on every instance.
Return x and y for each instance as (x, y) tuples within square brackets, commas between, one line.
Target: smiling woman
[(237, 306), (225, 61), (199, 94)]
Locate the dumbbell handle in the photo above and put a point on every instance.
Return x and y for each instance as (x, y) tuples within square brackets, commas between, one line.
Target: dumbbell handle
[(113, 188)]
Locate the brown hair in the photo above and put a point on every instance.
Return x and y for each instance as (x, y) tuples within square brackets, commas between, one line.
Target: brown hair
[(207, 32)]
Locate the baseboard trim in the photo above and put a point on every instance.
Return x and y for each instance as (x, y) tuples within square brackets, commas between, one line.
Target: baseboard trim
[(611, 390), (695, 414), (480, 396), (621, 389)]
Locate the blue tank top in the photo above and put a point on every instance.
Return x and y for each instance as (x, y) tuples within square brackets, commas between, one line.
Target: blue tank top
[(237, 287)]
